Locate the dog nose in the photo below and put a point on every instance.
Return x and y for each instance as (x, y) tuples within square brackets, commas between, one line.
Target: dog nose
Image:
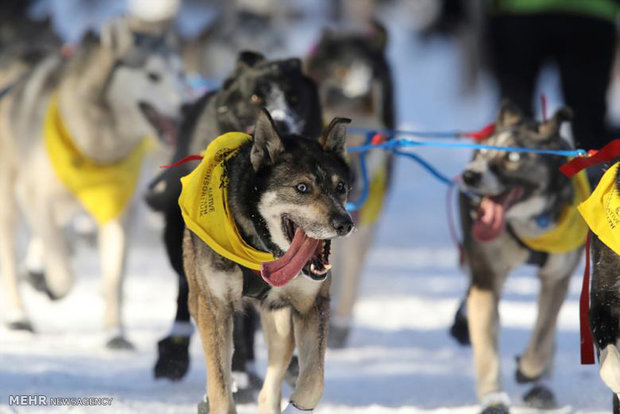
[(342, 224), (471, 177)]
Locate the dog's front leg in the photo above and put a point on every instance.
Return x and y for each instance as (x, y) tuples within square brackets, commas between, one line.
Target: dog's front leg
[(482, 308), (215, 324), (113, 248), (17, 318), (280, 345), (311, 336)]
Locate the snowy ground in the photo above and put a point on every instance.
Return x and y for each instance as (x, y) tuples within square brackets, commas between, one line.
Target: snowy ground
[(400, 358)]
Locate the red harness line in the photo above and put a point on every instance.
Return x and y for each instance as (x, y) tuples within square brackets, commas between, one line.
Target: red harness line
[(189, 158), (587, 342)]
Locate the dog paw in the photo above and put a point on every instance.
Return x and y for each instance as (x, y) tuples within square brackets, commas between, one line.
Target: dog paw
[(119, 343), (292, 372), (173, 358), (460, 327), (498, 408), (540, 397), (245, 387), (203, 407), (338, 335), (37, 280), (20, 325)]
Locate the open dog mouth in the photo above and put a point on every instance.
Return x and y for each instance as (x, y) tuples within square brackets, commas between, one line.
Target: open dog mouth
[(490, 218), (167, 127), (304, 254)]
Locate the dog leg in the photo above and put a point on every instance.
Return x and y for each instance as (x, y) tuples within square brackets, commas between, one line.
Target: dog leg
[(214, 320), (112, 247), (537, 359), (311, 337), (351, 253), (483, 324), (59, 277), (17, 318), (280, 345)]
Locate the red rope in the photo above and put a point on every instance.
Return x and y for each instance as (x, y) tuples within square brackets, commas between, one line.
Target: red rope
[(587, 343), (189, 158)]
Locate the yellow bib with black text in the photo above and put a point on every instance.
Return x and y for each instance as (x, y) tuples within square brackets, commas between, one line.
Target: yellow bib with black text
[(104, 190), (602, 210), (204, 204)]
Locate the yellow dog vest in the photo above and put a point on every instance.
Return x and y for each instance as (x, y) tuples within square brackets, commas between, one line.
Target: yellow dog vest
[(104, 190), (369, 212), (204, 204), (602, 210), (570, 231)]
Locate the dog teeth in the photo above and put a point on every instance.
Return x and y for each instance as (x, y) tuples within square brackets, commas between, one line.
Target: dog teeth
[(312, 268), (327, 266)]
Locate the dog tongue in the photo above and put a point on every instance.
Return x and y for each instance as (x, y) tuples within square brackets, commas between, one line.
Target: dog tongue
[(280, 272), (491, 220), (490, 223)]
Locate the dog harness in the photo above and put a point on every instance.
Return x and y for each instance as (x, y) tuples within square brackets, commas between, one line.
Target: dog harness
[(104, 190), (570, 231), (602, 210), (204, 204)]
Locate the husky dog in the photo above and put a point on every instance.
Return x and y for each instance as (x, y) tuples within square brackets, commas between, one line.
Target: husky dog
[(285, 193), (292, 100), (354, 80), (515, 197), (605, 309), (110, 95)]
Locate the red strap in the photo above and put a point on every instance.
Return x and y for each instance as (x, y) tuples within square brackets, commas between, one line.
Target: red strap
[(378, 138), (189, 158), (587, 343), (594, 157), (484, 133)]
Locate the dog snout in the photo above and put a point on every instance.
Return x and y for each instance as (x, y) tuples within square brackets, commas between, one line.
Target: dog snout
[(471, 177), (343, 224)]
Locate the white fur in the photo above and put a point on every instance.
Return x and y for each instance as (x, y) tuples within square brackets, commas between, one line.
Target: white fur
[(527, 209), (153, 10), (280, 111), (357, 81), (493, 398), (610, 367)]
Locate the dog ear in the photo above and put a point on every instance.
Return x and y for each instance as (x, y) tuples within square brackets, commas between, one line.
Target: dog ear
[(509, 115), (551, 127), (248, 59), (117, 36), (378, 36), (334, 136), (267, 144)]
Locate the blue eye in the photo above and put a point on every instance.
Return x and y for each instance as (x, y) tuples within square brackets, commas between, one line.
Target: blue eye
[(303, 188)]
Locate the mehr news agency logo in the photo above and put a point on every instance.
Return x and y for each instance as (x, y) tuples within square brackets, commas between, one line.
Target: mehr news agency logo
[(29, 400)]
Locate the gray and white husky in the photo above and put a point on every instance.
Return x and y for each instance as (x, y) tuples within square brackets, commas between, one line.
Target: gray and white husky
[(112, 93), (353, 75), (517, 196)]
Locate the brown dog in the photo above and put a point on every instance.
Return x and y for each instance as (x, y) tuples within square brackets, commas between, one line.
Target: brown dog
[(285, 197)]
